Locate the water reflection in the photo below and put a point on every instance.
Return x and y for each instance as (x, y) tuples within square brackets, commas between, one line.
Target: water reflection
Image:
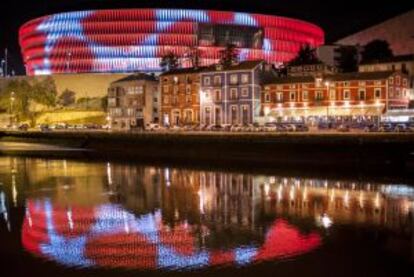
[(113, 215)]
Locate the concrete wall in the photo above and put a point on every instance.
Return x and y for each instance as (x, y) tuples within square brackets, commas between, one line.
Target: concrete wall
[(398, 31)]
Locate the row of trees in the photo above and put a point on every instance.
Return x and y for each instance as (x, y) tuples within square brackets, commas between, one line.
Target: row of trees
[(19, 95), (348, 56), (228, 56)]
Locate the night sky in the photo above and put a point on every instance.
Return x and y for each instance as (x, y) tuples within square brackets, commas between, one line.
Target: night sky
[(337, 18)]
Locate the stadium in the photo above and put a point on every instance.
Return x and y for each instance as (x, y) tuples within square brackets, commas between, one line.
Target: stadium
[(130, 40)]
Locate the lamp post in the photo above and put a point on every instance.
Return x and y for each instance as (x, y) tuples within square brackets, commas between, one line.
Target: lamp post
[(12, 98), (69, 55), (327, 85)]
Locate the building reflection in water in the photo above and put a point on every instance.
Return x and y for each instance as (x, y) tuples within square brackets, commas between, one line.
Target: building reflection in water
[(140, 217)]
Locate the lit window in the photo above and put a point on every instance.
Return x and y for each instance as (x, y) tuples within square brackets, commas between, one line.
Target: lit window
[(332, 94), (175, 79), (245, 78), (233, 79), (166, 100), (279, 96)]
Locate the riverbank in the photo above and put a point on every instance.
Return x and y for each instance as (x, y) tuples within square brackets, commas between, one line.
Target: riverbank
[(298, 149)]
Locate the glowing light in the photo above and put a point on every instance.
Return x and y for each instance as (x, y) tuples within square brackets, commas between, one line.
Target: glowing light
[(326, 221)]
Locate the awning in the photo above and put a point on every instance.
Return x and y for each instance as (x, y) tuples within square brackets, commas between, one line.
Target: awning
[(328, 111)]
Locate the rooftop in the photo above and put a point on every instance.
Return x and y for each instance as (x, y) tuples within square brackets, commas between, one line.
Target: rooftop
[(137, 77), (395, 59)]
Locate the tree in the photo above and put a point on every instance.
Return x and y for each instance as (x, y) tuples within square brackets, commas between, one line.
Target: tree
[(229, 55), (169, 62), (376, 50), (44, 92), (347, 59), (194, 55), (306, 55), (67, 98)]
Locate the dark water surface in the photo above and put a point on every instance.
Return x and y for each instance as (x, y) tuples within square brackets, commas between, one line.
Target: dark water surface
[(79, 218)]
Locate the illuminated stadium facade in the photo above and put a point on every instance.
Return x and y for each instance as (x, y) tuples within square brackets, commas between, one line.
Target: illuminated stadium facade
[(135, 39)]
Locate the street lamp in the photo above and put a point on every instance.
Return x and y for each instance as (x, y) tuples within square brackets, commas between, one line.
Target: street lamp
[(327, 85), (12, 98)]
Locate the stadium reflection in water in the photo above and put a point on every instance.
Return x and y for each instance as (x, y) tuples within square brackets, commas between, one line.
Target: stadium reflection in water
[(97, 215)]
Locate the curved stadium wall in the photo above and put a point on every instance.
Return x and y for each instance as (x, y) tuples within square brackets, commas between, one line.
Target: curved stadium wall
[(135, 39)]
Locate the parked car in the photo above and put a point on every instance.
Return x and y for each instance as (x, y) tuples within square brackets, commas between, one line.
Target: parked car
[(269, 127), (302, 128), (343, 128), (281, 128), (386, 128), (236, 128), (44, 128), (23, 127), (216, 128), (290, 127), (401, 128), (60, 126), (152, 127), (371, 128)]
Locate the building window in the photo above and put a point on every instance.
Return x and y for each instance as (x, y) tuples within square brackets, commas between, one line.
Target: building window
[(362, 84), (166, 99), (361, 94), (391, 91), (245, 78), (397, 93), (155, 100), (391, 80), (188, 89), (165, 88), (207, 81), (233, 79), (332, 94), (305, 95), (175, 90), (347, 95), (188, 99), (377, 93), (279, 96), (175, 80), (267, 97), (155, 110), (405, 82), (319, 95), (217, 80), (217, 95), (397, 80), (175, 100), (347, 84), (267, 88), (233, 93), (245, 92), (292, 96)]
